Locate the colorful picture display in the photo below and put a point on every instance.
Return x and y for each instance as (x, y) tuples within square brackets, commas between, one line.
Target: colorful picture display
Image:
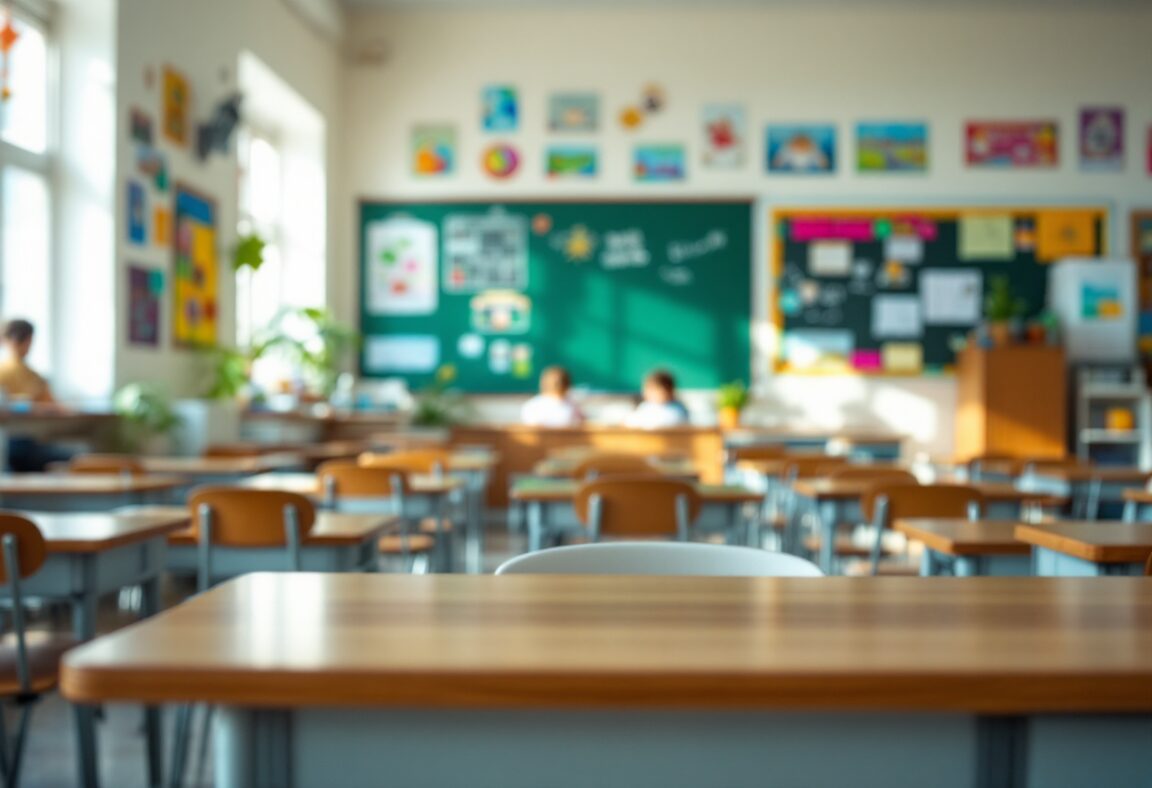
[(501, 108), (658, 163), (402, 260), (571, 161), (177, 107), (137, 201), (484, 252), (500, 161), (433, 150), (145, 288), (195, 281), (573, 112), (725, 136), (1003, 144), (1102, 139), (801, 149), (892, 147)]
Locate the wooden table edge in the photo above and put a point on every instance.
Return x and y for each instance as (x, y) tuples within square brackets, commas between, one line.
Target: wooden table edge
[(166, 527), (178, 537), (943, 544), (1097, 554)]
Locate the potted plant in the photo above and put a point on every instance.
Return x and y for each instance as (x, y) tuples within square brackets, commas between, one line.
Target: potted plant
[(318, 344), (1002, 310), (439, 406), (731, 399), (146, 416)]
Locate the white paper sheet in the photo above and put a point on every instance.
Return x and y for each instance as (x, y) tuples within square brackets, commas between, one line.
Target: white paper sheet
[(905, 248), (830, 258), (813, 348), (402, 354), (951, 297), (401, 263), (896, 317)]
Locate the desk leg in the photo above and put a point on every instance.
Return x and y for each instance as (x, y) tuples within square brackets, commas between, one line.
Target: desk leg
[(535, 526), (153, 720), (84, 603), (475, 559), (829, 514), (89, 773), (252, 749)]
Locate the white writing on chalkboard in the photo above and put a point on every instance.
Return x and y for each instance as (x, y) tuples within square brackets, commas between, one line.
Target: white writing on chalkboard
[(625, 249), (681, 251)]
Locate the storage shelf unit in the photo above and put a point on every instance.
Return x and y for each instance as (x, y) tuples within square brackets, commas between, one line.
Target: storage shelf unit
[(1101, 390)]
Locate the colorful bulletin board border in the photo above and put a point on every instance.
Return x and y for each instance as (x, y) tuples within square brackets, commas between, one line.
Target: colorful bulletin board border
[(868, 224), (196, 274)]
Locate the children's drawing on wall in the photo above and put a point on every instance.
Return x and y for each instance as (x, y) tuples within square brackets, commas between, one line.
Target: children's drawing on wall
[(574, 112), (631, 118), (522, 361), (433, 150), (470, 346), (145, 289), (500, 161), (500, 357), (1003, 144), (195, 280), (725, 136), (892, 147), (137, 199), (501, 108), (154, 164), (401, 255), (796, 149), (401, 354), (1102, 138), (140, 126), (485, 251), (658, 163), (578, 243), (501, 312), (571, 161), (177, 107)]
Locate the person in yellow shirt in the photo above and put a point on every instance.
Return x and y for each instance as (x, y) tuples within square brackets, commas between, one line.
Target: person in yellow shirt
[(18, 381)]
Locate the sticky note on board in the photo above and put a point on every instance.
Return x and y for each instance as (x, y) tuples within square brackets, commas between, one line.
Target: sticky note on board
[(905, 248), (1065, 234), (830, 258), (896, 316), (903, 358), (986, 237), (817, 348), (867, 361)]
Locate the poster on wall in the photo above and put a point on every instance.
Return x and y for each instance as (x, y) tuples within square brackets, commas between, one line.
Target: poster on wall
[(801, 150), (137, 200), (892, 147), (571, 161), (725, 136), (402, 259), (484, 252), (658, 163), (574, 112), (177, 106), (145, 288), (195, 277), (1002, 144), (433, 150), (501, 108), (1102, 139)]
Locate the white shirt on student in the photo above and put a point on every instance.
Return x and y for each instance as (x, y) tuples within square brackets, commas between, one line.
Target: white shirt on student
[(656, 415), (545, 411)]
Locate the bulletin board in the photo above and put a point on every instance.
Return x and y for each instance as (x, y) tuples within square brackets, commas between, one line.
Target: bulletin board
[(895, 291), (494, 292)]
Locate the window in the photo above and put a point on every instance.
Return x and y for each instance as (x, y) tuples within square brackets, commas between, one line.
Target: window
[(26, 188)]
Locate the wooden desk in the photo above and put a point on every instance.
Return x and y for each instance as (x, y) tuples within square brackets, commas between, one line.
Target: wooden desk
[(626, 681), (966, 548), (551, 512), (207, 470), (1137, 505), (1087, 486), (1076, 549), (565, 468), (46, 423), (859, 443), (84, 492)]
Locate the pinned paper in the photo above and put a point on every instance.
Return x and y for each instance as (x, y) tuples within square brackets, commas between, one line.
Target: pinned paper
[(867, 361), (951, 297), (894, 274), (500, 357), (818, 348), (402, 354), (905, 248), (903, 358), (809, 292), (522, 361), (896, 317), (987, 237), (832, 230), (161, 226), (1101, 301), (501, 312), (401, 262), (470, 346), (1065, 234), (830, 258)]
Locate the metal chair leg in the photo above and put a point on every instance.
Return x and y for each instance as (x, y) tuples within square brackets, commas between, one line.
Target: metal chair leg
[(205, 738), (179, 746), (154, 742), (86, 740)]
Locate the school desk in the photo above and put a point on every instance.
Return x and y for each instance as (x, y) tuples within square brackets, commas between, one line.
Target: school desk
[(1076, 549), (221, 470), (565, 467), (47, 423), (1137, 505), (550, 504), (1086, 486), (85, 492), (836, 501), (337, 543), (966, 548), (428, 495), (860, 444), (678, 682)]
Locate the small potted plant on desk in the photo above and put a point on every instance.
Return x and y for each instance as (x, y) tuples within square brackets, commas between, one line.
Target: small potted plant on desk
[(1003, 312), (731, 399), (147, 418), (439, 407)]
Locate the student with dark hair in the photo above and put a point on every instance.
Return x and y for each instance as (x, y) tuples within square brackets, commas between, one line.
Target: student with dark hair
[(659, 407), (552, 407), (21, 384)]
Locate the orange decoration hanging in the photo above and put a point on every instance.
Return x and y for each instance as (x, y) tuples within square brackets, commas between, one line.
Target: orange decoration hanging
[(8, 38)]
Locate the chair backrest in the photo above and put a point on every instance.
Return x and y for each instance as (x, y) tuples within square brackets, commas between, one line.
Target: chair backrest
[(106, 464), (814, 465), (350, 479), (242, 517), (868, 473), (1037, 465), (237, 451), (431, 460), (659, 558), (30, 548), (599, 465), (654, 506), (773, 451), (902, 500), (1148, 566)]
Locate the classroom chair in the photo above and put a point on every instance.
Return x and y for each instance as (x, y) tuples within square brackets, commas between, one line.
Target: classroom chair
[(432, 461), (887, 502), (848, 543), (237, 451), (772, 451), (351, 487), (645, 506), (613, 464), (659, 558), (106, 464), (1148, 566), (789, 524), (30, 661)]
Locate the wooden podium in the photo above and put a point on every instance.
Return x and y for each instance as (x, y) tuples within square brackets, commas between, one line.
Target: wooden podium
[(1012, 401)]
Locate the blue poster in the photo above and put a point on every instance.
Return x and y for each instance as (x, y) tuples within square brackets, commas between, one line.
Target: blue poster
[(137, 213), (501, 108)]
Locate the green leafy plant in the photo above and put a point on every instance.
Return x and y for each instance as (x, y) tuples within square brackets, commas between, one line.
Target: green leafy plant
[(439, 405), (249, 252), (145, 412), (732, 395), (320, 344), (1001, 305)]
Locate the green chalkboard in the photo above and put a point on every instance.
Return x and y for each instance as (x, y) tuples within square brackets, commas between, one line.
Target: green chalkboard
[(831, 320), (610, 290)]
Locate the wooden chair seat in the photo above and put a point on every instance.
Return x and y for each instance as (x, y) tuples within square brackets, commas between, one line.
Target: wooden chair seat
[(45, 650), (394, 544), (885, 569), (428, 526), (846, 546)]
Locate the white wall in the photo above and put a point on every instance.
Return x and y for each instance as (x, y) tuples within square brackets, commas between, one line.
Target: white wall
[(203, 40), (838, 62)]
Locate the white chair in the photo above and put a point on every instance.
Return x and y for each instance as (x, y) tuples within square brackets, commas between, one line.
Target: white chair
[(659, 558)]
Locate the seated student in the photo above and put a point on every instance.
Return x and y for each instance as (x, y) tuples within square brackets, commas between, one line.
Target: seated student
[(552, 407), (659, 408), (20, 383)]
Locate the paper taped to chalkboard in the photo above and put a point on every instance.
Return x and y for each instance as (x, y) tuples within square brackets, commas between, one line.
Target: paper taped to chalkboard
[(402, 354)]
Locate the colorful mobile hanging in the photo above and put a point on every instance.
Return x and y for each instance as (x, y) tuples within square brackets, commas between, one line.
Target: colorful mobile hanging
[(8, 37)]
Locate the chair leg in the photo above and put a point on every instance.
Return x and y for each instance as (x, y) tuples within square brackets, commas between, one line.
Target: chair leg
[(205, 738), (179, 745), (154, 743), (86, 740), (4, 769), (18, 743)]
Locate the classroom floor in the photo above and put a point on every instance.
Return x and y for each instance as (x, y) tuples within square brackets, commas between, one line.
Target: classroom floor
[(50, 760)]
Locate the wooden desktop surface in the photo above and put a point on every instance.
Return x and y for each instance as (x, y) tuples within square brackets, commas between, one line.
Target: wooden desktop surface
[(221, 466), (331, 529), (850, 489), (975, 645), (1099, 542), (309, 483), (86, 484), (559, 467), (957, 536), (560, 490), (95, 532)]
